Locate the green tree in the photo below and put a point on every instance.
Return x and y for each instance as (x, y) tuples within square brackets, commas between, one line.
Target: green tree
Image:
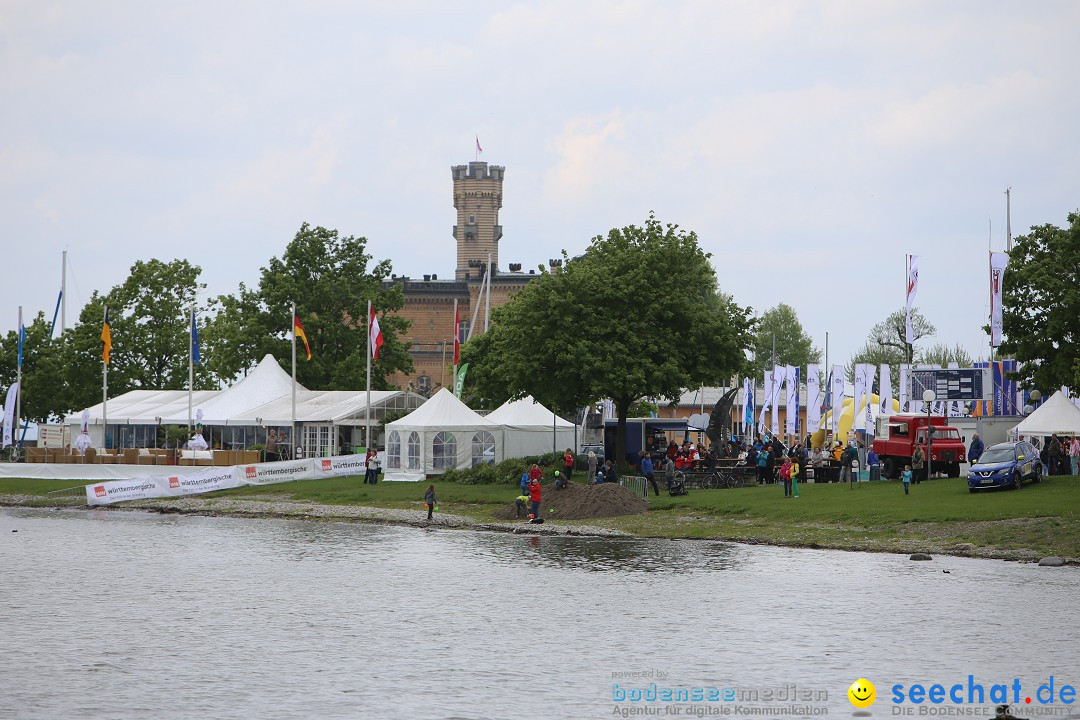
[(1041, 306), (637, 316), (780, 327), (940, 355), (886, 343), (43, 391), (328, 277)]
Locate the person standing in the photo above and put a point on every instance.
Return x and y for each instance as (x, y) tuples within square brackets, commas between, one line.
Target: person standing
[(534, 498), (918, 459), (976, 449), (429, 500), (592, 467), (1074, 454), (371, 461), (535, 473), (797, 465), (906, 477), (271, 446), (785, 476), (762, 465), (568, 464), (669, 471), (647, 471), (850, 455)]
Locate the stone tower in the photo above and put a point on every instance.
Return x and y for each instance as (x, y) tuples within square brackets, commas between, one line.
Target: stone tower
[(478, 199)]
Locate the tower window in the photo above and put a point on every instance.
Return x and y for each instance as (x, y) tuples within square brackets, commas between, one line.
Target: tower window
[(472, 219)]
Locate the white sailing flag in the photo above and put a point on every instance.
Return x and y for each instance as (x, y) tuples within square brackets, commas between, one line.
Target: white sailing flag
[(912, 290), (813, 398), (998, 263), (9, 413)]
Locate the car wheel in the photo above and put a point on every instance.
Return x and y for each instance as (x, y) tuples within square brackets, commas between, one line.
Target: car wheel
[(971, 490), (1037, 475), (1016, 480)]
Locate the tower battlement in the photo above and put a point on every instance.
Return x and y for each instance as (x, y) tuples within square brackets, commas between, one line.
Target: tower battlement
[(478, 199)]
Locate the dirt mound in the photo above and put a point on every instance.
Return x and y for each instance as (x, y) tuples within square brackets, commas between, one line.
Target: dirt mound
[(583, 501)]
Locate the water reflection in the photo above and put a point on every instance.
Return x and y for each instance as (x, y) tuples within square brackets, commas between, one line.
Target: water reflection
[(625, 555)]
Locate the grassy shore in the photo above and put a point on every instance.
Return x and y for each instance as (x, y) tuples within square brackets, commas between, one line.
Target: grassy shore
[(939, 516)]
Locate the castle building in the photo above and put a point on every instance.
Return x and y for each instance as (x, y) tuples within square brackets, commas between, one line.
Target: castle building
[(429, 303)]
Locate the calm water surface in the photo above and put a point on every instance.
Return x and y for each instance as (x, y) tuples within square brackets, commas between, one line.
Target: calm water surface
[(108, 614)]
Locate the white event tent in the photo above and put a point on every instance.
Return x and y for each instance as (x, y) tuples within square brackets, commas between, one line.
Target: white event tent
[(529, 428), (441, 434), (1056, 415)]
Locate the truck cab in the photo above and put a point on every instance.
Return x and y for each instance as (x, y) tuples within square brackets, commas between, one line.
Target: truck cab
[(895, 449)]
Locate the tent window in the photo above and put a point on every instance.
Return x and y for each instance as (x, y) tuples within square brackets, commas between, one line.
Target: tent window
[(393, 450), (414, 451), (483, 448), (443, 451)]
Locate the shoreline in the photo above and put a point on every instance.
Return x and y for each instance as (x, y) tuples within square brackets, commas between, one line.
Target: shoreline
[(284, 507)]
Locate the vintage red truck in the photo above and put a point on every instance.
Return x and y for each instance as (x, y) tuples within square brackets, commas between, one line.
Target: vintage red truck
[(894, 449)]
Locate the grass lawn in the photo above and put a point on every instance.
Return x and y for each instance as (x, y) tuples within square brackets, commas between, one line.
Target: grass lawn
[(939, 515)]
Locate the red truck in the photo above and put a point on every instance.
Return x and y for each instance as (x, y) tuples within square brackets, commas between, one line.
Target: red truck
[(906, 431)]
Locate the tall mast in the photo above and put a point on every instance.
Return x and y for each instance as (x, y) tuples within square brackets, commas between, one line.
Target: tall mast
[(63, 292), (1008, 219)]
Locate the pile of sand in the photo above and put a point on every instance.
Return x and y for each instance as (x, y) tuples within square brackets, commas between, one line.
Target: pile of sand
[(583, 501)]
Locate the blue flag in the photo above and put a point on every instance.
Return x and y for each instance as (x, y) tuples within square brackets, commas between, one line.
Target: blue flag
[(22, 339), (194, 340)]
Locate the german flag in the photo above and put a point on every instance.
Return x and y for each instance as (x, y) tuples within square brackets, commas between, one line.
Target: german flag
[(106, 337), (298, 332)]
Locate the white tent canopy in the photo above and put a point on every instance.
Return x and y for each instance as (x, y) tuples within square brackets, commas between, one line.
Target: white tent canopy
[(441, 434), (1056, 415), (529, 428), (268, 381)]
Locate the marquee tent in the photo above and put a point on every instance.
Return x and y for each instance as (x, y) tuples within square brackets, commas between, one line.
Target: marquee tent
[(529, 428), (441, 434), (1056, 415)]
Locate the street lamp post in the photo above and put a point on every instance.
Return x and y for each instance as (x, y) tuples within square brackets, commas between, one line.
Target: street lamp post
[(928, 397)]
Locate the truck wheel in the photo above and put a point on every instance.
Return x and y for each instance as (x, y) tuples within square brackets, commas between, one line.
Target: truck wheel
[(954, 470), (890, 469)]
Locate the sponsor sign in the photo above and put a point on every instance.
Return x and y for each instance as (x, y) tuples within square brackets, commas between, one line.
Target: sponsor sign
[(278, 472), (114, 491), (206, 480), (340, 465)]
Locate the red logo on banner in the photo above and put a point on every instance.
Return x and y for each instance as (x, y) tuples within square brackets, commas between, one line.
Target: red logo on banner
[(99, 491), (250, 471), (174, 482), (327, 465), (996, 281)]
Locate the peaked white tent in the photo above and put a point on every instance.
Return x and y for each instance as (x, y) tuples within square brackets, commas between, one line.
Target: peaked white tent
[(266, 382), (1056, 415), (529, 428), (441, 434)]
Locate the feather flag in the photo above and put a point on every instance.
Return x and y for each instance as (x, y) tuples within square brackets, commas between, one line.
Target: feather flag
[(457, 334), (298, 332), (106, 337), (375, 335), (912, 291), (22, 341), (195, 340)]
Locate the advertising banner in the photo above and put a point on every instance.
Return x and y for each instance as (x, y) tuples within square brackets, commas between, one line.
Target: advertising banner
[(208, 480), (113, 491), (998, 262), (885, 390), (813, 398), (9, 413), (837, 397), (276, 472), (339, 466)]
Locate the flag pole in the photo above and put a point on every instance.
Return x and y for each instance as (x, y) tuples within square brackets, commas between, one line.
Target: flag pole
[(293, 424), (190, 367), (18, 379), (453, 381), (367, 413), (105, 390)]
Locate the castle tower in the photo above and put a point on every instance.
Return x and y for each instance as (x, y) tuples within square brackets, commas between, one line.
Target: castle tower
[(478, 199)]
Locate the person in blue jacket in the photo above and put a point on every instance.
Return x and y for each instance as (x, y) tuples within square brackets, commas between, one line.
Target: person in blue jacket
[(976, 449), (647, 471)]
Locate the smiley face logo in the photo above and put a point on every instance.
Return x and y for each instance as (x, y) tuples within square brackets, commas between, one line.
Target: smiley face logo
[(862, 693)]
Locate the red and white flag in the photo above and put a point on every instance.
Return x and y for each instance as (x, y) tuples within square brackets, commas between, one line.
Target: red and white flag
[(375, 338), (478, 148), (457, 334), (912, 290)]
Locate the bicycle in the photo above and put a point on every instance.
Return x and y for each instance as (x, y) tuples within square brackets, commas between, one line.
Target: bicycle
[(718, 479)]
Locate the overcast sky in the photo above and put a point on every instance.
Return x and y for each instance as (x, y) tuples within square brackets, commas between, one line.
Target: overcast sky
[(810, 145)]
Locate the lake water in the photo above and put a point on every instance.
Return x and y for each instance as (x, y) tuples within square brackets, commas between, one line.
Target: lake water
[(111, 614)]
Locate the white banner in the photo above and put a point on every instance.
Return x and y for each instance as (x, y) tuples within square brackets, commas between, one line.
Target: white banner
[(339, 465), (778, 386), (9, 413), (813, 398), (792, 415), (885, 391), (903, 391), (119, 490), (868, 424), (837, 398), (860, 391), (277, 472), (208, 480), (998, 263), (766, 396), (912, 290)]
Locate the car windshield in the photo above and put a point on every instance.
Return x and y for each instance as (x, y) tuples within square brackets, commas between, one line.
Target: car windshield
[(996, 455)]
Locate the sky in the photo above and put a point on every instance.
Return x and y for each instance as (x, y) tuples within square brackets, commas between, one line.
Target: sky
[(810, 146)]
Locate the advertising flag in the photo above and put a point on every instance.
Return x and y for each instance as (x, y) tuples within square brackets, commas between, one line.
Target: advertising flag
[(457, 334), (765, 397), (791, 418), (195, 340), (106, 337), (998, 263), (885, 390), (868, 426), (748, 401), (9, 413), (459, 381), (903, 391), (813, 398), (22, 339), (376, 335), (299, 334), (860, 391), (912, 290), (778, 385), (837, 398)]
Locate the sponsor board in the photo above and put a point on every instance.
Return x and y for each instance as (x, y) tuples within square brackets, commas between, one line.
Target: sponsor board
[(278, 472), (340, 465), (113, 491), (207, 480)]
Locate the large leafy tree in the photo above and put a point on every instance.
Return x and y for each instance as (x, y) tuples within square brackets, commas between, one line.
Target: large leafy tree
[(940, 355), (887, 342), (44, 392), (1041, 305), (327, 275), (637, 316), (779, 327)]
